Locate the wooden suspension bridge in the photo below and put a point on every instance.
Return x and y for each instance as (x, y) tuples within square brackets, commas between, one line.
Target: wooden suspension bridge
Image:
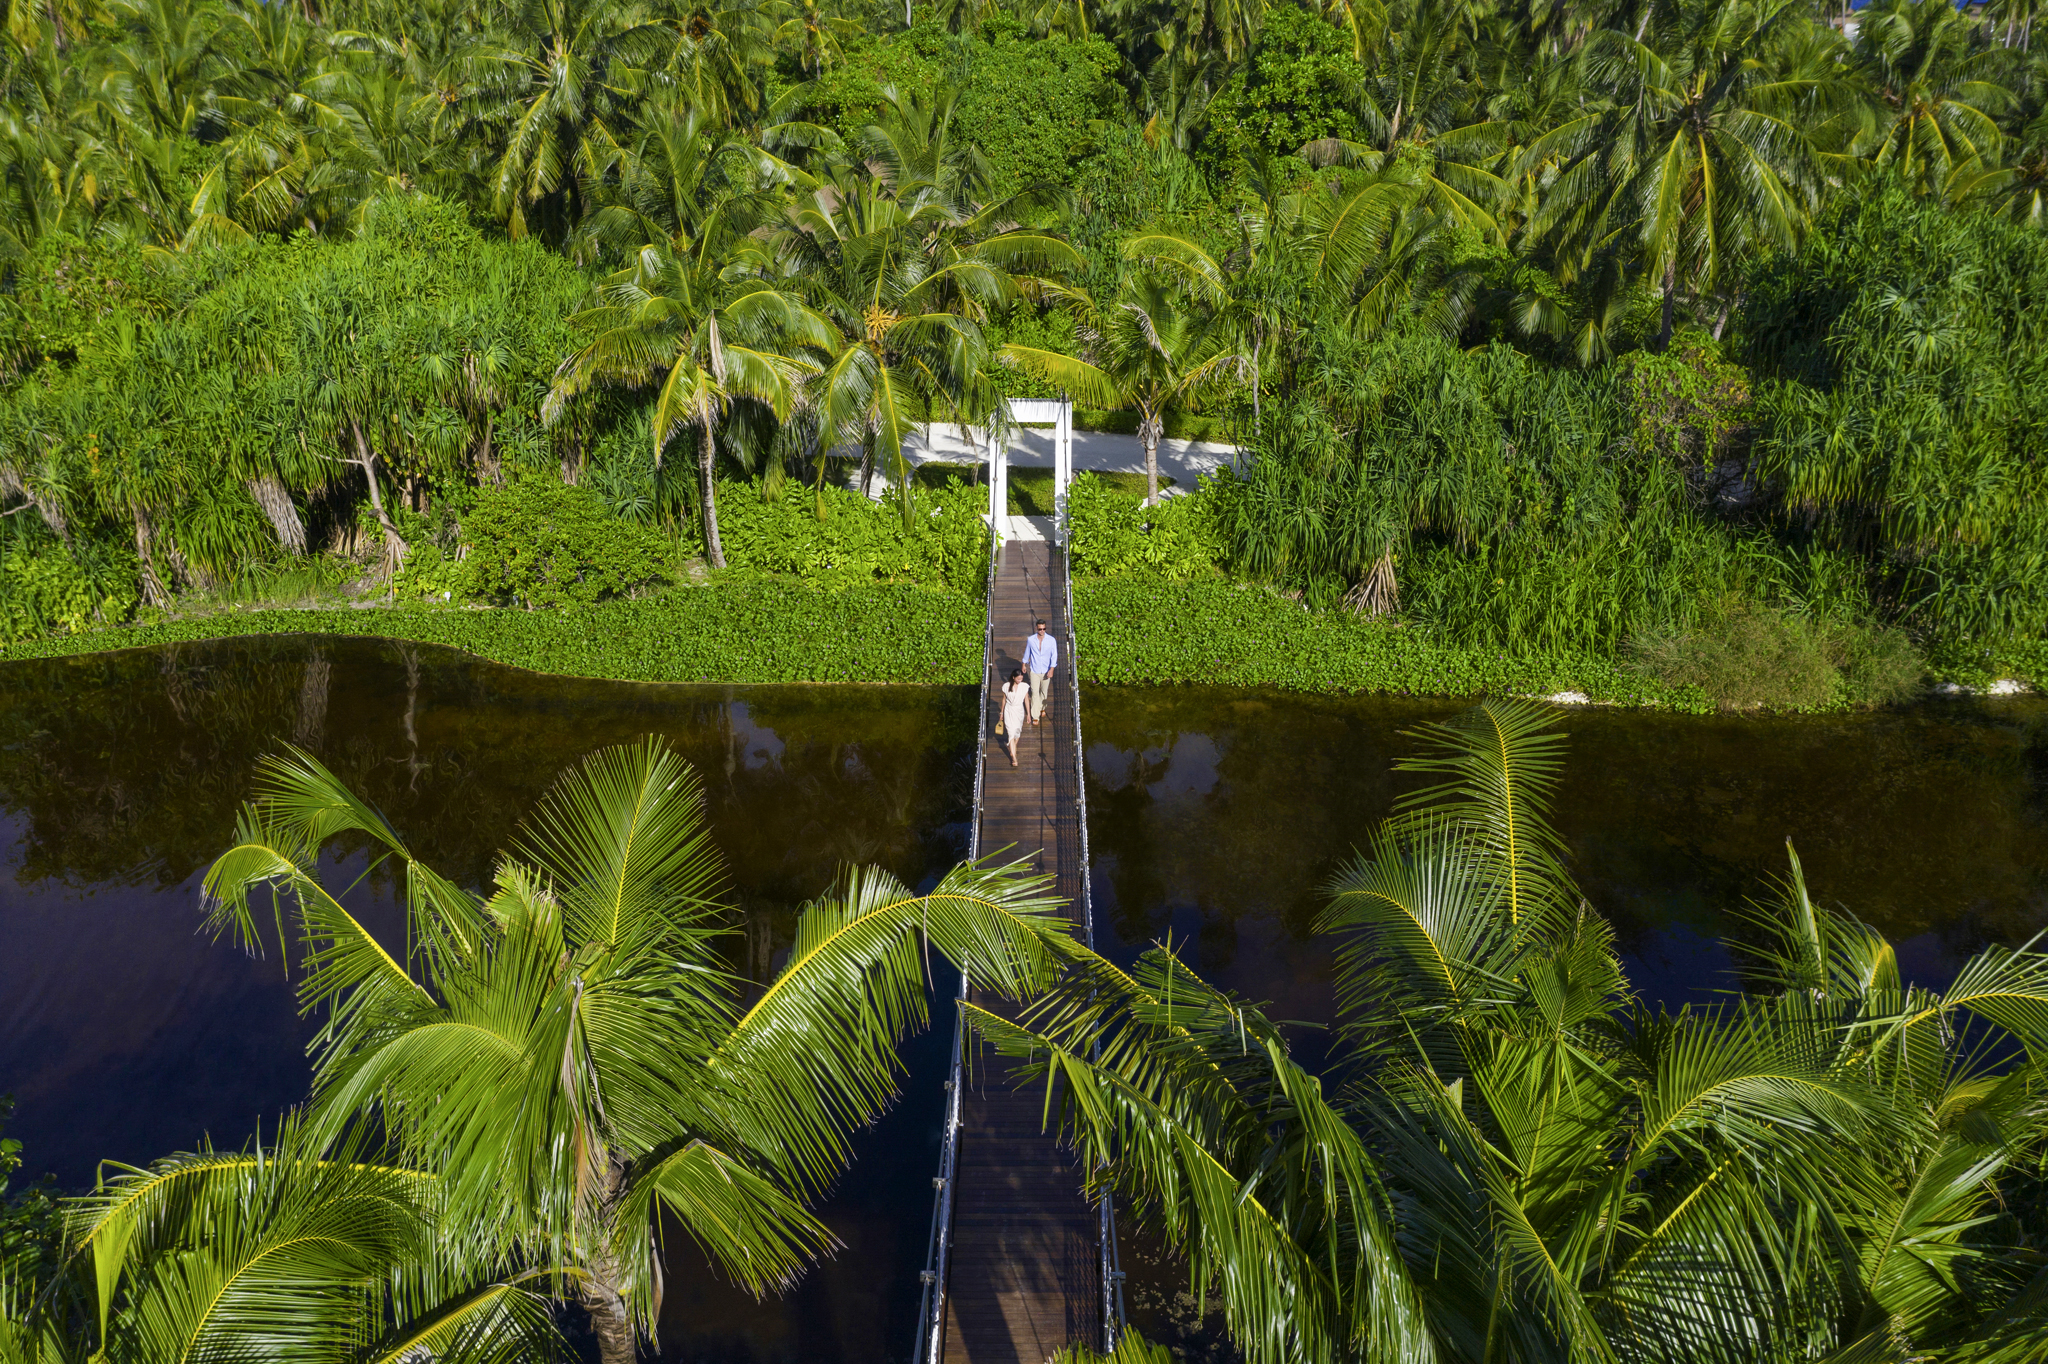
[(1021, 1263)]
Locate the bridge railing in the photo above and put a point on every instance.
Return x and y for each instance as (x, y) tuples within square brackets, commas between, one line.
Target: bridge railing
[(931, 1310), (1111, 1262)]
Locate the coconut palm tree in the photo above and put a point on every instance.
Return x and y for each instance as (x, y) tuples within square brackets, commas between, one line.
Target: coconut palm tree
[(1705, 150), (580, 65), (709, 327), (905, 263), (569, 1053), (1421, 103), (1509, 1161), (284, 1250), (1158, 341), (1934, 92)]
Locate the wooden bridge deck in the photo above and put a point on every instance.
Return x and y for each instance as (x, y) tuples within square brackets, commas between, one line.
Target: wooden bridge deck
[(1025, 1275)]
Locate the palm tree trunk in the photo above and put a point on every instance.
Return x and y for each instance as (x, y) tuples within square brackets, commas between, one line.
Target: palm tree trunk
[(1148, 436), (714, 553), (609, 1321), (487, 467), (1670, 303), (1255, 384), (12, 484), (903, 485)]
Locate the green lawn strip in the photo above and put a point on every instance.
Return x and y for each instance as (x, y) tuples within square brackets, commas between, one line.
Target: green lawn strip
[(1131, 631), (750, 631), (742, 632)]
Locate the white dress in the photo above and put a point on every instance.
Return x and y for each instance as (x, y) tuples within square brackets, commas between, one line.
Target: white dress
[(1015, 694)]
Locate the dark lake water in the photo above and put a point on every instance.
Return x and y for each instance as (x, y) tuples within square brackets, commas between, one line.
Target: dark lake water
[(1214, 815)]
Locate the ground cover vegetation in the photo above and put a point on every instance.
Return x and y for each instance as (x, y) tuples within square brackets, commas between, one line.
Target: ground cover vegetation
[(1698, 339), (754, 631), (1508, 1157)]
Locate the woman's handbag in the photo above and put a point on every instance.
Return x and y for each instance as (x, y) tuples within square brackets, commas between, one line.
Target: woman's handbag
[(999, 726)]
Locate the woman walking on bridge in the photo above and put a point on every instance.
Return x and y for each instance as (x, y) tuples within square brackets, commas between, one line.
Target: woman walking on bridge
[(1015, 693)]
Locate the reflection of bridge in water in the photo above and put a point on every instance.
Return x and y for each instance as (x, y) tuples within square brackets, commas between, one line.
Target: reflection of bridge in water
[(1021, 1263)]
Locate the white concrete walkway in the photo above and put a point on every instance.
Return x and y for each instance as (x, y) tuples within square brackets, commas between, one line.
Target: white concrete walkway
[(1183, 461)]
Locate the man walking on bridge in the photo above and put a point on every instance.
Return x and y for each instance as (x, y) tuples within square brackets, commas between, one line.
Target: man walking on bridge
[(1041, 656)]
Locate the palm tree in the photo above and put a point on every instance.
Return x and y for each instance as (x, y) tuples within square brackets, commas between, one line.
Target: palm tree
[(52, 158), (581, 65), (282, 1251), (905, 265), (816, 34), (1157, 342), (2019, 190), (1509, 1162), (1934, 92), (568, 1054), (707, 326), (1704, 150), (685, 174), (1420, 103)]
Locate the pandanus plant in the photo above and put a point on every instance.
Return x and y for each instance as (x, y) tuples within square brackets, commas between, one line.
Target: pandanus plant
[(569, 1056), (1512, 1160)]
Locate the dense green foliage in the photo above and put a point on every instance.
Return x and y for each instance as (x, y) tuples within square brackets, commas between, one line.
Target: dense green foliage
[(1509, 1157), (838, 538), (737, 630), (541, 543), (1032, 104), (1594, 336), (31, 1224), (574, 1027), (1902, 421), (1117, 535)]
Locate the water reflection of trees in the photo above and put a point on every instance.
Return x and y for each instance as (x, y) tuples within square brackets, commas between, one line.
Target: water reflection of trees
[(128, 768), (1928, 822)]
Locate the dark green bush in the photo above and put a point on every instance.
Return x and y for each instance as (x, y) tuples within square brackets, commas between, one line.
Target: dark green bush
[(48, 589), (838, 538), (541, 543), (1878, 666), (1116, 535), (1747, 658), (1902, 408), (1299, 85), (1033, 104)]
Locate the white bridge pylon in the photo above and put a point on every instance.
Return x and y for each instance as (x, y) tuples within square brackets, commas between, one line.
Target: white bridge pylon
[(1055, 412)]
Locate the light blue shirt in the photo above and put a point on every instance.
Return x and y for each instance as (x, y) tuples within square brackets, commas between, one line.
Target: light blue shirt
[(1041, 652)]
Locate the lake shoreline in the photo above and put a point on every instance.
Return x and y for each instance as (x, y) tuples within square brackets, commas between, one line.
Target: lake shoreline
[(774, 633)]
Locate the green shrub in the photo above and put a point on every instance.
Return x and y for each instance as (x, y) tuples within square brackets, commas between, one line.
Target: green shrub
[(1901, 356), (46, 590), (838, 538), (540, 543), (1117, 535), (1879, 666), (1032, 103), (431, 573), (1298, 86), (1747, 657)]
